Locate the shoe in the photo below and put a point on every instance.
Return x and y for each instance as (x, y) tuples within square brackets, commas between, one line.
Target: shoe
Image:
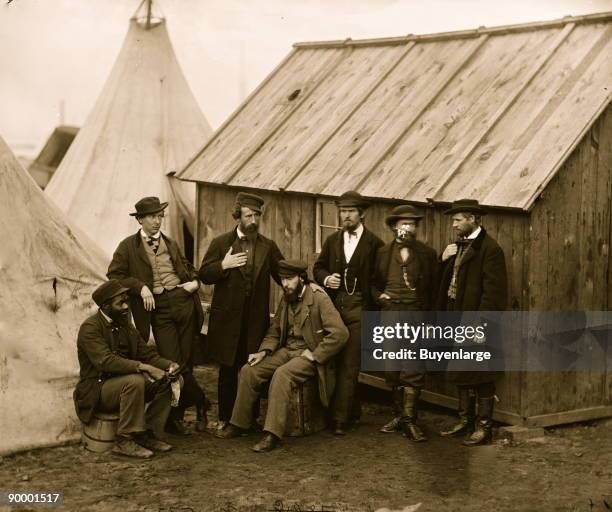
[(339, 429), (395, 425), (128, 447), (267, 443), (467, 412), (484, 425), (409, 415), (149, 441), (230, 431), (176, 427)]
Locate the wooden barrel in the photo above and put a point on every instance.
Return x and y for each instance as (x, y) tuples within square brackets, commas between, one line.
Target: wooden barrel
[(99, 435)]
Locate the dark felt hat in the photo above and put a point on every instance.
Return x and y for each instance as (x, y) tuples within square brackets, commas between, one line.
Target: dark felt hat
[(106, 291), (466, 206), (290, 268), (403, 211), (352, 199), (252, 201), (147, 206)]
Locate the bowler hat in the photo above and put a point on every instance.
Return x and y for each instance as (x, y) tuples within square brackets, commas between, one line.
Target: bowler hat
[(252, 201), (466, 206), (403, 211), (107, 290), (290, 268), (148, 206), (352, 199)]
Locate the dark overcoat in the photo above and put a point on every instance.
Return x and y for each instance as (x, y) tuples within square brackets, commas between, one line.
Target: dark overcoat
[(331, 259), (323, 331), (131, 265), (229, 295), (99, 360)]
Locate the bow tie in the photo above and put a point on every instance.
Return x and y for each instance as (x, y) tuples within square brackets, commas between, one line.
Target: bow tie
[(153, 243), (351, 234)]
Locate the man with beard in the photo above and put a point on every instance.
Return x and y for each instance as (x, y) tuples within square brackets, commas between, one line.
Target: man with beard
[(306, 333), (473, 279), (239, 264), (344, 268), (163, 296), (114, 361), (406, 280)]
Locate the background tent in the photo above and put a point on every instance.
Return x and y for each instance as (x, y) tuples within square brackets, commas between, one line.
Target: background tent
[(51, 155), (145, 125), (47, 273)]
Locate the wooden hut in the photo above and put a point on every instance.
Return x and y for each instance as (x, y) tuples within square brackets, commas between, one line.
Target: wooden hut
[(518, 117)]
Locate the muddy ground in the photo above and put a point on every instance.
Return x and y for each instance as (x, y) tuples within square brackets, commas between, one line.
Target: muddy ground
[(569, 469)]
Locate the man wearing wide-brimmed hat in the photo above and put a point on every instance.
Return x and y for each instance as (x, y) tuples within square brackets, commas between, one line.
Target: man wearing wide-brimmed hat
[(406, 281), (163, 295), (473, 279), (345, 268), (239, 263)]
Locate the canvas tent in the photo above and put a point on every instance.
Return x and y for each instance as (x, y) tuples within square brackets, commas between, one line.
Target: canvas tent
[(48, 271), (145, 126)]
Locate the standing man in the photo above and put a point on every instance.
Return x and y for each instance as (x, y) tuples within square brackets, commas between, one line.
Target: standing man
[(306, 333), (345, 268), (162, 288), (239, 264), (406, 279), (473, 279)]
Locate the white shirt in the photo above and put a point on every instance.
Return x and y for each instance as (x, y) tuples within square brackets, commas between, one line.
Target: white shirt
[(146, 237), (474, 233), (350, 242)]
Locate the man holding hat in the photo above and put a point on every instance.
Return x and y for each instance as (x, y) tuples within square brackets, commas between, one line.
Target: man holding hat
[(239, 263), (163, 296), (114, 361), (307, 332), (406, 280), (345, 268), (473, 279)]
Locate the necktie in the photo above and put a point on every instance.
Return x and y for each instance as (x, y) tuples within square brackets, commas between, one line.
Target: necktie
[(153, 243)]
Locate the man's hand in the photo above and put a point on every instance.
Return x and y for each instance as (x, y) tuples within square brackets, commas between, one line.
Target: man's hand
[(234, 260), (450, 250), (308, 355), (333, 281), (256, 358), (384, 296), (190, 286), (147, 298), (155, 373), (172, 368)]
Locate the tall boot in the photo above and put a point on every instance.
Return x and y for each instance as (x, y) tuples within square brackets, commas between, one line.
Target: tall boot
[(397, 395), (409, 415), (467, 412), (484, 424)]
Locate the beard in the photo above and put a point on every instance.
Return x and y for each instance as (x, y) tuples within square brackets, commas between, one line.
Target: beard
[(250, 231), (404, 236), (292, 296), (119, 317)]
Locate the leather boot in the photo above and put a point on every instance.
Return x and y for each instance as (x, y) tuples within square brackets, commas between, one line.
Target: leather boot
[(201, 418), (395, 425), (409, 415), (484, 424), (467, 412)]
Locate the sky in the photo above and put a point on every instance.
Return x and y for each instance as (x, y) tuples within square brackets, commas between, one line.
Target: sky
[(60, 52)]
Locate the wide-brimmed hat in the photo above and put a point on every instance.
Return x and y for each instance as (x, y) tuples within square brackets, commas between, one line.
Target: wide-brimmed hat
[(352, 199), (148, 206), (466, 206), (107, 290), (403, 211), (252, 201)]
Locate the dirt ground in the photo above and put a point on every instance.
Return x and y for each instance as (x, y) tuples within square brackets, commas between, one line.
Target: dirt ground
[(569, 470)]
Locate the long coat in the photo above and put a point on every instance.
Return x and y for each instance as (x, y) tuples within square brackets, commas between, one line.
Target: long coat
[(98, 359), (323, 330), (427, 282), (131, 265), (229, 296), (331, 258), (482, 285)]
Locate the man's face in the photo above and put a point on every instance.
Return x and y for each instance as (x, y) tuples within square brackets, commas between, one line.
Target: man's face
[(152, 223), (118, 308), (463, 224), (349, 218), (405, 229), (292, 287), (249, 220)]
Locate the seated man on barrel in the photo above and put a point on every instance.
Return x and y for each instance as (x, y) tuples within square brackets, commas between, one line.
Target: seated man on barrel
[(307, 332), (120, 372)]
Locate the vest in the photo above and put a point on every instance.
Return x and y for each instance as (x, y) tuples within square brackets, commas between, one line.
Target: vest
[(396, 286), (351, 270), (295, 340), (164, 275)]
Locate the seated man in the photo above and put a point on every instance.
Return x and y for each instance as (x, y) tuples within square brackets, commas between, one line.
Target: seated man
[(306, 333), (114, 361)]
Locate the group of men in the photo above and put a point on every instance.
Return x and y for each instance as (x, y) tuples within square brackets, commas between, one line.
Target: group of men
[(315, 332)]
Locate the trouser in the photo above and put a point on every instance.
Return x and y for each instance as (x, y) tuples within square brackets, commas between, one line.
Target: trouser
[(345, 404), (174, 327), (126, 393), (285, 368)]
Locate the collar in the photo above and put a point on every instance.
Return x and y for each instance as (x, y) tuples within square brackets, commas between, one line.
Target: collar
[(358, 231), (106, 317), (239, 232), (474, 233), (147, 237)]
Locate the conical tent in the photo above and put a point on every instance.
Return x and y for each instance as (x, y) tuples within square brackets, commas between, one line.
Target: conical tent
[(145, 126), (48, 271)]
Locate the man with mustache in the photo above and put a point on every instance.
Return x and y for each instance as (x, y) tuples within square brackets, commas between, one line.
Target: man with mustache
[(344, 268), (306, 333), (406, 280), (239, 263), (163, 296), (114, 361)]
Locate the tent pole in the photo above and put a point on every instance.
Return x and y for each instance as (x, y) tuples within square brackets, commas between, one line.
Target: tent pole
[(149, 2)]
